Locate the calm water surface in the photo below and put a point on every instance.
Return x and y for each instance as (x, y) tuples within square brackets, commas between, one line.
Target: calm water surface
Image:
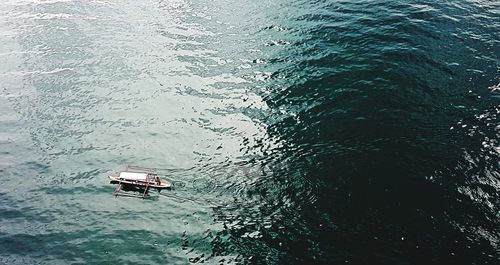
[(295, 132)]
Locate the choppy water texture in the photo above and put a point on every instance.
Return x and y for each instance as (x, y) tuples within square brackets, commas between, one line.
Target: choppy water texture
[(295, 132)]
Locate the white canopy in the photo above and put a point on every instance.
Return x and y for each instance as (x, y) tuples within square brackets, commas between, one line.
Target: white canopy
[(133, 175)]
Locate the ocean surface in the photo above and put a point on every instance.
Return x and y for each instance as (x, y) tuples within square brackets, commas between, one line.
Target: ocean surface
[(294, 131)]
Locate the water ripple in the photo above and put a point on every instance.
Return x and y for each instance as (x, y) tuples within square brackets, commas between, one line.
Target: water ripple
[(295, 132)]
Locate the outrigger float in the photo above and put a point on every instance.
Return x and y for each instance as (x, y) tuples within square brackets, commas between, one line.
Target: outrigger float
[(139, 179)]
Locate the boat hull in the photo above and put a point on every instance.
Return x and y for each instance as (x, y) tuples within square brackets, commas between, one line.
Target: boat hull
[(140, 183)]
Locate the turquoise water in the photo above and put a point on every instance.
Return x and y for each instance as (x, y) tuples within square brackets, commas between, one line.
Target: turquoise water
[(295, 132)]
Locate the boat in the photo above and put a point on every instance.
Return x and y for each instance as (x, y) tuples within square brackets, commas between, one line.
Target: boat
[(140, 179)]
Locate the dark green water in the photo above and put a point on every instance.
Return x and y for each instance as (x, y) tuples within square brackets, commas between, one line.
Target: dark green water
[(295, 132)]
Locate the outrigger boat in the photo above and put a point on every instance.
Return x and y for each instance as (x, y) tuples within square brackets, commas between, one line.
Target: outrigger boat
[(139, 179)]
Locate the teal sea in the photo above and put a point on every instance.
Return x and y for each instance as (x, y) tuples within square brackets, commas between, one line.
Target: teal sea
[(293, 131)]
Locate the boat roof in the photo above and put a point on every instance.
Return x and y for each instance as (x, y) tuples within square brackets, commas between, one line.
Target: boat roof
[(133, 175)]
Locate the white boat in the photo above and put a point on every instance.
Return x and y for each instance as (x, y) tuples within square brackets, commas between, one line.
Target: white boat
[(138, 179)]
